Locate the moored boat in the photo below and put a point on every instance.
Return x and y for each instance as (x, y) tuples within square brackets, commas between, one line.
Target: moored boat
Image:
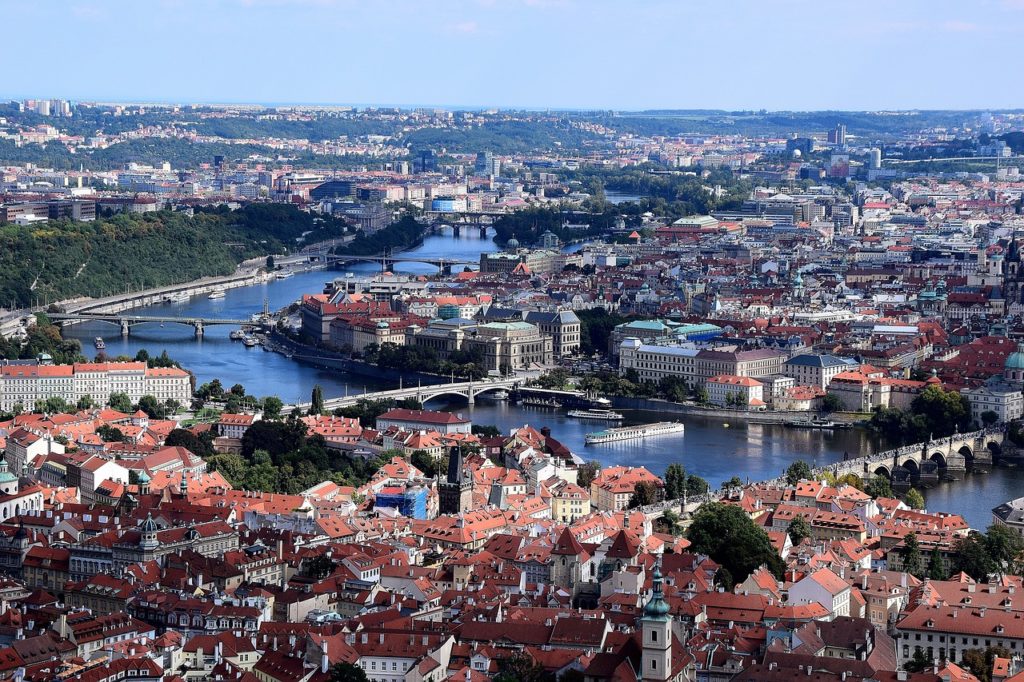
[(640, 431), (597, 414)]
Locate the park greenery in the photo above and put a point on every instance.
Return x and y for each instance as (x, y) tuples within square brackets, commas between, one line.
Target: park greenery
[(280, 456), (934, 413), (732, 539), (467, 364)]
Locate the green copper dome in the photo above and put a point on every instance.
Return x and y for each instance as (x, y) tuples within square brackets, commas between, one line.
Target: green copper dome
[(657, 607), (1016, 359)]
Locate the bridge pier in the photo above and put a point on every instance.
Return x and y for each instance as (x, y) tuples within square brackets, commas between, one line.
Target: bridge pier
[(483, 232), (125, 328), (446, 269), (456, 230), (198, 324)]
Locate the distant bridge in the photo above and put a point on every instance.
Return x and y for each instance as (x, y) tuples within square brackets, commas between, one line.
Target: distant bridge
[(444, 265), (465, 389), (128, 321)]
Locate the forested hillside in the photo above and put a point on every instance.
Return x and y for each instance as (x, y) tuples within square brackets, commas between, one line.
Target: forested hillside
[(62, 259)]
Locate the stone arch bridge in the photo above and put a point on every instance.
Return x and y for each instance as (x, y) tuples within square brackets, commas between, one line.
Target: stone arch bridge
[(924, 464)]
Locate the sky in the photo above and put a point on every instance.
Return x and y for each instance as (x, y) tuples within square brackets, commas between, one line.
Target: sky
[(538, 54)]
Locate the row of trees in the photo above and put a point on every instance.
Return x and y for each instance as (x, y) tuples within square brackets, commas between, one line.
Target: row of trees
[(934, 413), (467, 364)]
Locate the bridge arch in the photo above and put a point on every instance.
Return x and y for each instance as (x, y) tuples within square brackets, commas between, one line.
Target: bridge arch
[(940, 459), (487, 389), (994, 447), (968, 454), (431, 395), (882, 470), (911, 465)]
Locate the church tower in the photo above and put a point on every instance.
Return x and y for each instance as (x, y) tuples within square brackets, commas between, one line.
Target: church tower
[(148, 528), (656, 627), (1012, 274), (455, 493), (8, 481)]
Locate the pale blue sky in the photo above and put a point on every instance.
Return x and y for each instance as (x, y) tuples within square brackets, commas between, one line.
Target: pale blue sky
[(628, 54)]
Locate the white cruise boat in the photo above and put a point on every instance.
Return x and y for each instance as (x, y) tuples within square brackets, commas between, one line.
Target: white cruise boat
[(596, 414), (638, 432)]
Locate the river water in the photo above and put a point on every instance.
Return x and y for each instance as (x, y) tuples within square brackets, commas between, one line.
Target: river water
[(707, 448)]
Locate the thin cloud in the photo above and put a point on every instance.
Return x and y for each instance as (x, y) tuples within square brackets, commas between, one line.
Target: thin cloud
[(465, 27)]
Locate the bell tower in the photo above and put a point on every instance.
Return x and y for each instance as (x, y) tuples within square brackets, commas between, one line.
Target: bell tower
[(656, 627)]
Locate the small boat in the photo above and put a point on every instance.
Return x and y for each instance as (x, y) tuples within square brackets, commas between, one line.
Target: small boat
[(179, 297), (284, 274), (99, 343), (725, 425), (250, 341), (215, 294), (602, 415), (541, 402), (237, 335), (815, 423)]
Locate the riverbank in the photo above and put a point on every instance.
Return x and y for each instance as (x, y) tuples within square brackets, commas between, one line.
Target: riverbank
[(326, 359), (744, 416)]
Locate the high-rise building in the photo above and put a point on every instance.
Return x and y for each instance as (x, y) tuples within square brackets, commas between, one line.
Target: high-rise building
[(838, 135), (875, 159), (484, 163)]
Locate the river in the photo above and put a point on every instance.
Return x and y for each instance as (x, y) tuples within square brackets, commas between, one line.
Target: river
[(707, 448)]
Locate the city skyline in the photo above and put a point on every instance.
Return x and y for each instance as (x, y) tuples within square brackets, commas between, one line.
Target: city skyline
[(534, 54)]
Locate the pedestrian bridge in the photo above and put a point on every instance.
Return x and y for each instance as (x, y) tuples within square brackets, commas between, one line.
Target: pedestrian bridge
[(927, 463), (465, 389)]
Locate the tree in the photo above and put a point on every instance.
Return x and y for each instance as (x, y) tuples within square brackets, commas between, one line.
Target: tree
[(270, 262), (980, 662), (347, 672), (425, 462), (85, 403), (1004, 546), (520, 667), (120, 402), (239, 390), (644, 493), (919, 662), (675, 481), (972, 556), (798, 529), (727, 535), (734, 482), (272, 406), (152, 407), (673, 522), (879, 486), (831, 403), (586, 473), (943, 411), (277, 438), (317, 400), (798, 471), (936, 571), (188, 440), (110, 434), (851, 480), (913, 563), (319, 567), (988, 418), (914, 499)]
